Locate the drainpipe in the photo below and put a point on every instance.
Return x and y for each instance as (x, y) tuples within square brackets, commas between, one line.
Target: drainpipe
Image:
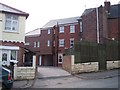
[(98, 34)]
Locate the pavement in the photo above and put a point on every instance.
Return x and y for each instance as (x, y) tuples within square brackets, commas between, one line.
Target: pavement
[(56, 72), (99, 74)]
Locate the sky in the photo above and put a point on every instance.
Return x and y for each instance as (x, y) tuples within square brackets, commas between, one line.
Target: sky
[(42, 11)]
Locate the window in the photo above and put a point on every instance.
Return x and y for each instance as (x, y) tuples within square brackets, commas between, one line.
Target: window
[(27, 44), (72, 29), (61, 42), (38, 44), (71, 42), (48, 43), (11, 23), (13, 55), (81, 28), (61, 29), (48, 31), (54, 43), (34, 44), (60, 58)]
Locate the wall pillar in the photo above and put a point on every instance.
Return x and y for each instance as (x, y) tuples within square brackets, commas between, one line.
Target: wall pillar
[(15, 71), (34, 61)]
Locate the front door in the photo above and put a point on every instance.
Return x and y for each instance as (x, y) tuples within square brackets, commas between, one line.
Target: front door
[(5, 57)]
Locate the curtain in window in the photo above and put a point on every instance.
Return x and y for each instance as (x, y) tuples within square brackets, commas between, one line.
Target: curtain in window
[(13, 55)]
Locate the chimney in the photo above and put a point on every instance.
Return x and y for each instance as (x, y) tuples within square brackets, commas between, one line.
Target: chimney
[(107, 6)]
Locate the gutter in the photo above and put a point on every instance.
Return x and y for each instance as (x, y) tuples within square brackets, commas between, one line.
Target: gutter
[(98, 34)]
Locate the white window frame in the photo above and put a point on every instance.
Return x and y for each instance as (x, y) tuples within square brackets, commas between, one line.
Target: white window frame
[(38, 44), (61, 42), (9, 52), (27, 44), (48, 43), (61, 29), (72, 29), (59, 58), (49, 31), (12, 19), (35, 44), (71, 39)]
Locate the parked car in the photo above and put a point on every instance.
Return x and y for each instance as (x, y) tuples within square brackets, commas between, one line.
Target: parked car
[(6, 80)]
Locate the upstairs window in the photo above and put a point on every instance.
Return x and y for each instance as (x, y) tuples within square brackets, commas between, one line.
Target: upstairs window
[(11, 23), (48, 43), (61, 29), (61, 42), (38, 44), (72, 29), (48, 31), (35, 43)]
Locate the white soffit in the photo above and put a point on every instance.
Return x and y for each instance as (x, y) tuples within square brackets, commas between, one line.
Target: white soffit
[(9, 47)]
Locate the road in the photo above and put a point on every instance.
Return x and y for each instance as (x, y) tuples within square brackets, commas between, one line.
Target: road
[(74, 82)]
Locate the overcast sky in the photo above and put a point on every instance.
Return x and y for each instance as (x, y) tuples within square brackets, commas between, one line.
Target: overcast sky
[(41, 11)]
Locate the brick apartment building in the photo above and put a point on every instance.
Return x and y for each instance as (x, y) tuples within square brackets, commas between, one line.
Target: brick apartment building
[(101, 23), (95, 25), (12, 35), (50, 41)]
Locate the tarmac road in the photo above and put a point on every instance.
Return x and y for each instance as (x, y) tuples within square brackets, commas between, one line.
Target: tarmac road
[(74, 82), (104, 79)]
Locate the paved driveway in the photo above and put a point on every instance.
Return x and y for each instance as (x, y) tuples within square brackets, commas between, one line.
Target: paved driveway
[(50, 72)]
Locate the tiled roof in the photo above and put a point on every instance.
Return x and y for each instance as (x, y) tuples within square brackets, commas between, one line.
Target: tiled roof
[(52, 23), (6, 8), (34, 32), (87, 11), (114, 12)]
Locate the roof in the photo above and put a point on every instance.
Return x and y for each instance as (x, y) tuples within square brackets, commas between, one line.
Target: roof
[(114, 12), (34, 32), (52, 23), (87, 11), (8, 9)]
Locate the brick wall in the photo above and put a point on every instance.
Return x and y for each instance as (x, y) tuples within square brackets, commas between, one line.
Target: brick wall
[(24, 73), (69, 65), (89, 26), (113, 64), (21, 73), (85, 67), (113, 28)]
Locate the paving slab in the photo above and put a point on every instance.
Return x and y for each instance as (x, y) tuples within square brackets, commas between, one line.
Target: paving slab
[(51, 72)]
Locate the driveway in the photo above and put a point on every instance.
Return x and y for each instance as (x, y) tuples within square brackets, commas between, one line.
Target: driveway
[(51, 72)]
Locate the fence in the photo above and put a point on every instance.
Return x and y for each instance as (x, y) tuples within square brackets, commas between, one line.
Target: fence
[(92, 52)]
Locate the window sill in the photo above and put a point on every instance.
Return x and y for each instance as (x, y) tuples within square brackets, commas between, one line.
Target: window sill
[(11, 31), (61, 46), (72, 32), (59, 62)]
